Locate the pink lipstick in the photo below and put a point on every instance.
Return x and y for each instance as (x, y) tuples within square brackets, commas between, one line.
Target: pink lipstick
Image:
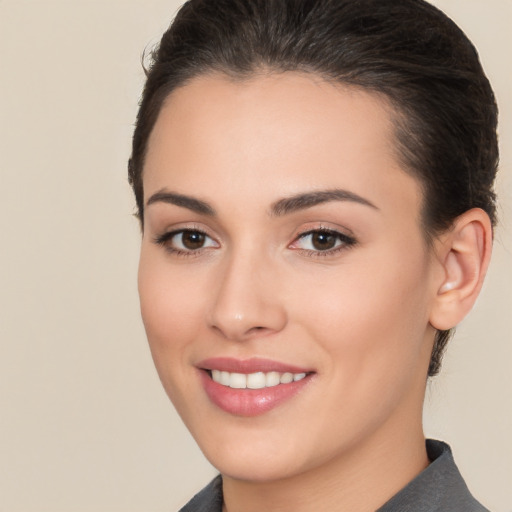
[(253, 386)]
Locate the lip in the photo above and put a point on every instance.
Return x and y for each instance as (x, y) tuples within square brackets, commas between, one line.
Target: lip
[(250, 402), (252, 365)]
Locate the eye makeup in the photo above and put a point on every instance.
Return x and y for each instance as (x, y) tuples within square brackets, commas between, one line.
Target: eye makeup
[(322, 242), (185, 242), (319, 242)]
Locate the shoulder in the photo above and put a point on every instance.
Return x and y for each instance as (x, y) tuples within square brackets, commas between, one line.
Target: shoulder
[(208, 500), (440, 487)]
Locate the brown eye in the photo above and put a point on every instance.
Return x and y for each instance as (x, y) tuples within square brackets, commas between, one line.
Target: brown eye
[(186, 241), (323, 240), (192, 240)]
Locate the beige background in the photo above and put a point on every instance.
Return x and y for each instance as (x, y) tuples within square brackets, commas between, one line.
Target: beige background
[(84, 425)]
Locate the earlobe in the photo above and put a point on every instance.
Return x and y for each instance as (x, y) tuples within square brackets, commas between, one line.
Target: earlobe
[(465, 252)]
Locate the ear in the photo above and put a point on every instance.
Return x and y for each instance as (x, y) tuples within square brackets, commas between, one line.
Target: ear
[(463, 253)]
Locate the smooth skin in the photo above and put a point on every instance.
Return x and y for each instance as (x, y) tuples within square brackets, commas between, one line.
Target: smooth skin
[(347, 287)]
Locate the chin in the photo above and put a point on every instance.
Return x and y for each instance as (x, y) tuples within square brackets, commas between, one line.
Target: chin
[(257, 467), (254, 453)]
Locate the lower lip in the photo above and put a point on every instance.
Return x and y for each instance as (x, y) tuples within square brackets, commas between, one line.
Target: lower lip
[(250, 402)]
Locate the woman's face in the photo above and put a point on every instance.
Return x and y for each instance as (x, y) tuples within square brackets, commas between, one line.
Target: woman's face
[(284, 280)]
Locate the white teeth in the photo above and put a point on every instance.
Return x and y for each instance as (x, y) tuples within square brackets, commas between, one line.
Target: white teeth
[(272, 379), (238, 380), (256, 380), (286, 378)]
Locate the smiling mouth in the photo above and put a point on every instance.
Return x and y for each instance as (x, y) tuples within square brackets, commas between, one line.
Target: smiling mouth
[(257, 380), (251, 387)]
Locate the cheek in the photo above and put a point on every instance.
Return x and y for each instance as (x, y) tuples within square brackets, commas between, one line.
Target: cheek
[(369, 323), (171, 308), (370, 316)]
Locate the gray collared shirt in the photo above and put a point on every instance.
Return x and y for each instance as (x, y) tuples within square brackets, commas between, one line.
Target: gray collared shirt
[(438, 488)]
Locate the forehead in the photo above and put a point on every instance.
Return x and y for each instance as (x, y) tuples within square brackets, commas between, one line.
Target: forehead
[(274, 135)]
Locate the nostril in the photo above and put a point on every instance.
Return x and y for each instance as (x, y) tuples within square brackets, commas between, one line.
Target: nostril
[(239, 319)]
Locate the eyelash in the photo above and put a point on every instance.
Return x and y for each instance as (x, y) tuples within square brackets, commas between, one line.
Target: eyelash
[(346, 242), (166, 238)]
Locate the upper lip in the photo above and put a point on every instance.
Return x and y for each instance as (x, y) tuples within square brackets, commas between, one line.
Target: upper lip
[(252, 365)]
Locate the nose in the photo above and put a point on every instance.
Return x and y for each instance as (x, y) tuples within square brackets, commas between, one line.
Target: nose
[(246, 301)]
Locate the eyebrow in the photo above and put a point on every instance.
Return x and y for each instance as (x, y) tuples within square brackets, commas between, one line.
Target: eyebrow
[(191, 203), (281, 207), (303, 201)]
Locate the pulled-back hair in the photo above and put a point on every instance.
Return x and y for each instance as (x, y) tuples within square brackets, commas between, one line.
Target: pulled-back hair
[(405, 50)]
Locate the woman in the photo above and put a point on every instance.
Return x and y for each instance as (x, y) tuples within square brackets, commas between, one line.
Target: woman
[(314, 184)]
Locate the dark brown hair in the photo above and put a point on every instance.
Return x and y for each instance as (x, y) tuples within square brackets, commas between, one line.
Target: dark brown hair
[(406, 50)]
